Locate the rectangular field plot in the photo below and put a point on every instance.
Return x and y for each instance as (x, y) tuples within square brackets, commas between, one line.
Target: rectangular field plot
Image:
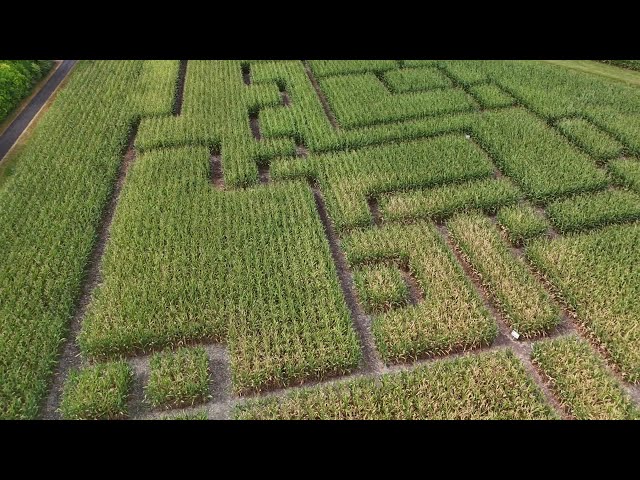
[(593, 140), (627, 172), (416, 79), (522, 222), (50, 209), (485, 386), (380, 287), (178, 378), (491, 96), (97, 392), (323, 68), (451, 317), (597, 274)]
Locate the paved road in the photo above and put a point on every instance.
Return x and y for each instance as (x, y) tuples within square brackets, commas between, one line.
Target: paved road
[(11, 134)]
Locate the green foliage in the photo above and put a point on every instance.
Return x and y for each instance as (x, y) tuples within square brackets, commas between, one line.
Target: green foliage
[(179, 378), (485, 386), (627, 172), (17, 78), (597, 275), (97, 392), (582, 381), (442, 202), (416, 79), (50, 209), (594, 210), (594, 141), (250, 266), (491, 96), (542, 162), (380, 287), (323, 68), (361, 100), (451, 317), (187, 262), (526, 305), (522, 223), (348, 178)]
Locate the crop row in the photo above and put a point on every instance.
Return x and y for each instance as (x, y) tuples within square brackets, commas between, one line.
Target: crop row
[(492, 385), (349, 178), (556, 93), (441, 202), (50, 209), (215, 113), (217, 105), (627, 172), (586, 211), (102, 391), (323, 68), (522, 223), (582, 381), (541, 161)]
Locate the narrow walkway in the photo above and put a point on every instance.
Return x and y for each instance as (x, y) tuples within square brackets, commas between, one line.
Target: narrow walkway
[(22, 121)]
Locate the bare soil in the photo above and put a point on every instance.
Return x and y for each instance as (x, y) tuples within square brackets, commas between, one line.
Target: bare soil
[(263, 174), (182, 75), (374, 208), (255, 126), (246, 74), (321, 96), (301, 151), (286, 101), (217, 177), (415, 292)]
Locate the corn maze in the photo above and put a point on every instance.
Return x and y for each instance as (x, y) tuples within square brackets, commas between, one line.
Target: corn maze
[(325, 239)]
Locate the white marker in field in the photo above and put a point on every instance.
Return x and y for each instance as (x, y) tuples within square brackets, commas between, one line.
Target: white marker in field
[(515, 334), (467, 136)]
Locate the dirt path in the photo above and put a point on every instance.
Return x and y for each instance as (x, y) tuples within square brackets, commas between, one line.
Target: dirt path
[(22, 121)]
